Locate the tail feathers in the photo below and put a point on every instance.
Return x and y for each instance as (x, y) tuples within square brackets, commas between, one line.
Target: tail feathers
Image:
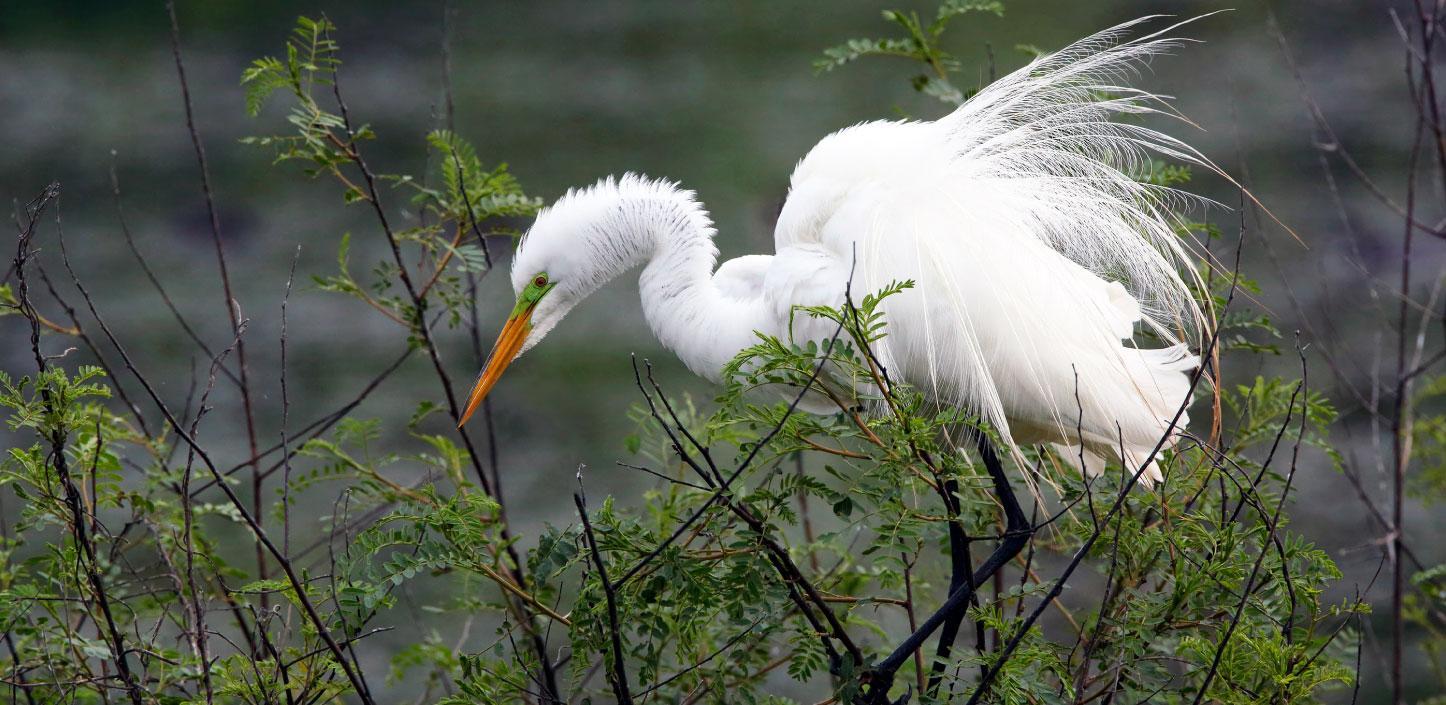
[(1091, 462), (1176, 358), (1169, 382), (1086, 462), (1165, 389)]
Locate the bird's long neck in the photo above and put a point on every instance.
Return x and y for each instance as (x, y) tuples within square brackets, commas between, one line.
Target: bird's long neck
[(682, 304)]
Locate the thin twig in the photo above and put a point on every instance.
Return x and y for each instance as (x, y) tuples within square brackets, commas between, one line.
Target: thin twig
[(233, 307), (617, 669)]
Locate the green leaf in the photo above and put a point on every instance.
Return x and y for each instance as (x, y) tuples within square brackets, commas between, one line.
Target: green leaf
[(854, 49), (953, 8)]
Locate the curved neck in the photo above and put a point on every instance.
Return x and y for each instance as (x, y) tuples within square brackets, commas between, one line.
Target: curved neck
[(672, 234)]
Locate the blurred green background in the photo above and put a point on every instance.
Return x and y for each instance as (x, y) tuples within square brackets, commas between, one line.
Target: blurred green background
[(719, 95)]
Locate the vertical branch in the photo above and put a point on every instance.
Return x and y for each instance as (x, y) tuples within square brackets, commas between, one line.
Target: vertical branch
[(285, 417), (450, 110), (1401, 419), (1400, 431), (617, 669), (913, 621), (281, 667), (233, 310)]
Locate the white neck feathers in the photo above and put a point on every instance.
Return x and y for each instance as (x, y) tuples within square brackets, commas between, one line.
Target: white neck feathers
[(634, 221)]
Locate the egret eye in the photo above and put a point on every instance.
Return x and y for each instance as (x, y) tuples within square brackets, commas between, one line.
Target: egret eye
[(540, 281)]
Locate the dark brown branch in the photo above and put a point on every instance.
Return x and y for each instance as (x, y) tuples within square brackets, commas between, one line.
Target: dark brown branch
[(283, 670), (233, 307), (617, 670), (155, 280)]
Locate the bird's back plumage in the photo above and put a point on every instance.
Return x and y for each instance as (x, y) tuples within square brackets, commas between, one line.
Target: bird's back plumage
[(1036, 252)]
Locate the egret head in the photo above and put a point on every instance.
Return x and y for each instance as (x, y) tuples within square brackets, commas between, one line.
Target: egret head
[(574, 247)]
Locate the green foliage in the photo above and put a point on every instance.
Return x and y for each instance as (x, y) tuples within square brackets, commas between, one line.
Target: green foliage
[(311, 62), (1424, 607), (470, 202), (468, 187), (1159, 173), (920, 43), (1429, 434)]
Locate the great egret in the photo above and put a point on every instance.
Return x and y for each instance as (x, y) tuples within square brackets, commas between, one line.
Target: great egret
[(1034, 247)]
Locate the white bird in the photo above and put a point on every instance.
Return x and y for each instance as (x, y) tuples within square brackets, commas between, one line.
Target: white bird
[(1036, 257)]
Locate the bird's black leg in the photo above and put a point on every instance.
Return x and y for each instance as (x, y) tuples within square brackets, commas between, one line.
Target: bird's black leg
[(960, 566), (1016, 536)]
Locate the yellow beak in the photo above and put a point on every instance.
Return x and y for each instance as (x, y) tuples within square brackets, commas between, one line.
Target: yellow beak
[(504, 351)]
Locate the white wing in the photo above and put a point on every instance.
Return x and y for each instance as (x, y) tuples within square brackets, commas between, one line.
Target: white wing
[(1033, 250), (741, 278), (772, 286)]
